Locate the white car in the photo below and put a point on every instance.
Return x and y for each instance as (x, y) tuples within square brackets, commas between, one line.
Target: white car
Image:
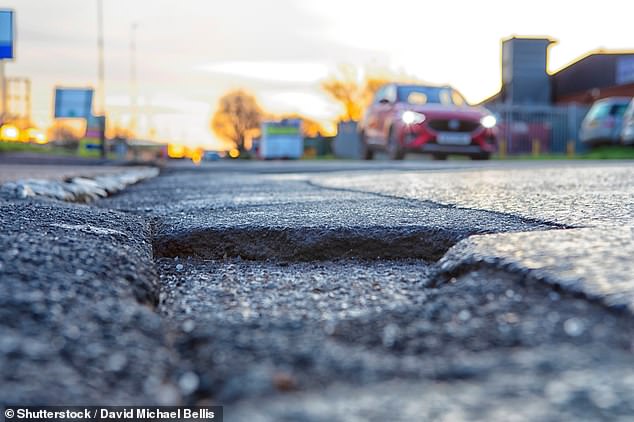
[(603, 123), (627, 134)]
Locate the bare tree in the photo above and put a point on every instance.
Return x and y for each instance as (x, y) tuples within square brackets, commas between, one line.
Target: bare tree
[(352, 91), (238, 115), (345, 88)]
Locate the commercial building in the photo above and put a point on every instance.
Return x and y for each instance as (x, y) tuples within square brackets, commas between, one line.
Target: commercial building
[(596, 75), (540, 111), (526, 81)]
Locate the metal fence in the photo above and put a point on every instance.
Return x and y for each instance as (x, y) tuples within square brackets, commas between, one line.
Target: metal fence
[(528, 129)]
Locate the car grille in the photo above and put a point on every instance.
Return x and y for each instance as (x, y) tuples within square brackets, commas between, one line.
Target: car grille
[(453, 125)]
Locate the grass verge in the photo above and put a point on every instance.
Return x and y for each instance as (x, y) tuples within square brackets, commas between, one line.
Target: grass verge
[(9, 147)]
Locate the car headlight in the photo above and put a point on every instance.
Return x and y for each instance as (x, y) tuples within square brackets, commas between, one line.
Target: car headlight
[(488, 121), (412, 117)]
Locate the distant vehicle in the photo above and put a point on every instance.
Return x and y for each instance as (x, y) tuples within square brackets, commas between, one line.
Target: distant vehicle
[(627, 134), (603, 123), (212, 156), (426, 119), (281, 140)]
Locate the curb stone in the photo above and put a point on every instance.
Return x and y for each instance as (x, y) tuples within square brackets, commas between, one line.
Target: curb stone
[(76, 189)]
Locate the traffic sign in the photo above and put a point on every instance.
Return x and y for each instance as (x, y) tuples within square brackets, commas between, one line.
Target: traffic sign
[(73, 103), (7, 34), (94, 126)]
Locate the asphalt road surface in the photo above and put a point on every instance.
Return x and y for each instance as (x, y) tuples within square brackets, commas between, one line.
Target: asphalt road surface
[(331, 291)]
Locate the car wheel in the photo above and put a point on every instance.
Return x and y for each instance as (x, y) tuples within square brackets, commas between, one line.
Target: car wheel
[(394, 150), (366, 150), (439, 157), (482, 156)]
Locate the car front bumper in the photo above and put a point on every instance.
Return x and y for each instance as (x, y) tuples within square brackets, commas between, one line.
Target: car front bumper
[(450, 149), (420, 139)]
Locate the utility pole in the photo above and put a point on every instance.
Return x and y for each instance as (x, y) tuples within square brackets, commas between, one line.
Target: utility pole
[(101, 76), (133, 81), (3, 97)]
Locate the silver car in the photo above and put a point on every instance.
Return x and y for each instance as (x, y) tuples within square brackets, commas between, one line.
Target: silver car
[(603, 123), (627, 134)]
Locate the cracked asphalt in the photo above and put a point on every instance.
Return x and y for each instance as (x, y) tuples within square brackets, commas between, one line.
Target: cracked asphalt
[(598, 199), (331, 291)]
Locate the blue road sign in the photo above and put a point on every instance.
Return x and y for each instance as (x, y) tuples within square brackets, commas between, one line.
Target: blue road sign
[(73, 103), (7, 34)]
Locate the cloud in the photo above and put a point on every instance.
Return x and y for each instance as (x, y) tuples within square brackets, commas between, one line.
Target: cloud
[(315, 105), (275, 71)]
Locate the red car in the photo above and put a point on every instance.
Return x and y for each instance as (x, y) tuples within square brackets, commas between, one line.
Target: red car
[(426, 119)]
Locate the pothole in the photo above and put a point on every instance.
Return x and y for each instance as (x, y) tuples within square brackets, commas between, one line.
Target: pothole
[(319, 243), (273, 301), (311, 244)]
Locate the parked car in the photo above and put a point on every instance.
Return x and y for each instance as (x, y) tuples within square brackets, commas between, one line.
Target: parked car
[(426, 119), (627, 133), (603, 123)]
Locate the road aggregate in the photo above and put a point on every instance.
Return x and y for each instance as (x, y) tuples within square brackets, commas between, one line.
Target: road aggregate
[(77, 296), (278, 342), (461, 292)]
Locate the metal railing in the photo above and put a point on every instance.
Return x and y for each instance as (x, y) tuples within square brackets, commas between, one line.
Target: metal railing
[(535, 130)]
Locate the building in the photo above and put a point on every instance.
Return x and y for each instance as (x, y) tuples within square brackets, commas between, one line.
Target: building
[(526, 81), (16, 101), (596, 75)]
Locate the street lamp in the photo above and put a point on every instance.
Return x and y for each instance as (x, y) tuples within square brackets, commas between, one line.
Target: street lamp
[(133, 79), (101, 76)]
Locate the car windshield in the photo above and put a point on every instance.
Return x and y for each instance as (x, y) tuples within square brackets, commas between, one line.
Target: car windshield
[(618, 109), (598, 111), (605, 109), (416, 94)]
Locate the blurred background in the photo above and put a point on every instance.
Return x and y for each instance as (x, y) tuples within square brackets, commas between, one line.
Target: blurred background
[(201, 80)]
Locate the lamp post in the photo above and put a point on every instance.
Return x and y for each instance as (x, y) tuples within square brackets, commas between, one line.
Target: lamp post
[(133, 80), (101, 80)]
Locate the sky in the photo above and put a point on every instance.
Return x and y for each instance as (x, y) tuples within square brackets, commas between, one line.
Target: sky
[(190, 52)]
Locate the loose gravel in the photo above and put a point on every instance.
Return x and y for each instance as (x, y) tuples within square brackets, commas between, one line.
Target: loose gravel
[(276, 342)]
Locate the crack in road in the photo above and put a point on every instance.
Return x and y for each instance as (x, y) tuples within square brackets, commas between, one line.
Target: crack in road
[(434, 204)]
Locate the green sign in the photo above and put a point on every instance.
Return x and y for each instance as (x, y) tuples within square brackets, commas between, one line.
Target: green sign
[(282, 130)]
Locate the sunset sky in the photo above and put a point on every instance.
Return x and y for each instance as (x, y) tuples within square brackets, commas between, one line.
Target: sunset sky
[(192, 51)]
